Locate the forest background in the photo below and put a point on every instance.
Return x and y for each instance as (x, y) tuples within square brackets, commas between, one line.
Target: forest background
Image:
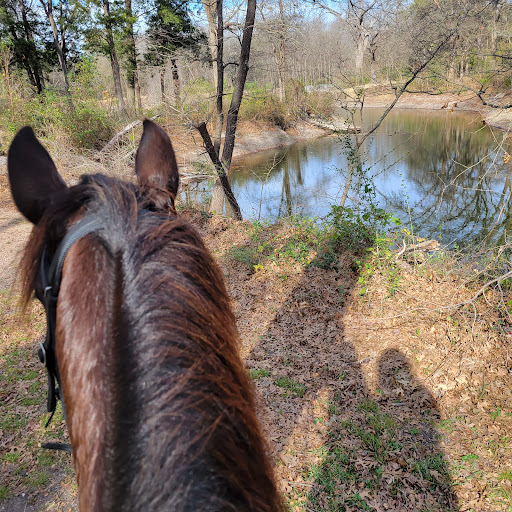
[(86, 69)]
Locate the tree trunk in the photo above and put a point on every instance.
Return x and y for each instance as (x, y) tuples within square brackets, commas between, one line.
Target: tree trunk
[(113, 58), (238, 89), (212, 8), (35, 65), (48, 8), (133, 72), (176, 81), (137, 93), (362, 43), (232, 117), (219, 122), (281, 55), (162, 83), (495, 18), (214, 14), (201, 128)]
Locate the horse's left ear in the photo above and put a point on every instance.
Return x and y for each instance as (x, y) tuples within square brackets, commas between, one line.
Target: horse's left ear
[(34, 179), (155, 163)]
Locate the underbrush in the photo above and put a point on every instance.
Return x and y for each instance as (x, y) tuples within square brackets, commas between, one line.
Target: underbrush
[(313, 241), (263, 105), (86, 124), (80, 118)]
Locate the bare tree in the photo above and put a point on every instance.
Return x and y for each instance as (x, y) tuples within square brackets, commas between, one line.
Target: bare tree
[(359, 16), (132, 65), (425, 51), (59, 37), (223, 164), (113, 57), (275, 27), (214, 14)]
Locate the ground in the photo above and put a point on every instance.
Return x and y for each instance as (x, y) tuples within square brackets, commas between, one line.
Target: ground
[(372, 395)]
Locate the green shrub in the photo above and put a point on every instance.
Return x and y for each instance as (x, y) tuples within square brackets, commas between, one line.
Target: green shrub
[(261, 105), (320, 104), (83, 121), (90, 127)]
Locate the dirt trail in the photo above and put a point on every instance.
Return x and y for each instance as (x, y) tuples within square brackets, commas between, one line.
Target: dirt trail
[(14, 230)]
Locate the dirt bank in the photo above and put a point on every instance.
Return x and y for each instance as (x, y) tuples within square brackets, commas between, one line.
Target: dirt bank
[(464, 102), (251, 137)]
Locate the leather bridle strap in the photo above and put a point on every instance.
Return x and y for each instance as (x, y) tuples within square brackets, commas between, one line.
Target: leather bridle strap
[(51, 274)]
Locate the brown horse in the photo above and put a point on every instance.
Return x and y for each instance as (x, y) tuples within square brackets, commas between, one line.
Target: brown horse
[(159, 407)]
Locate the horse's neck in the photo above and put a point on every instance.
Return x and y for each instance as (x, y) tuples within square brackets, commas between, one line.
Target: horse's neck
[(83, 352), (191, 440)]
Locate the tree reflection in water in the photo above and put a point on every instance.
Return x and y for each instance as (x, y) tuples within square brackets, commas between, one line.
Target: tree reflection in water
[(443, 172)]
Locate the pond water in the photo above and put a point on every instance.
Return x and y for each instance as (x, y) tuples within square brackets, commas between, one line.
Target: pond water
[(443, 173)]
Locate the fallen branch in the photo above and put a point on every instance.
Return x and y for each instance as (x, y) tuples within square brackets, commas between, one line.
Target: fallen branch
[(108, 146), (214, 157)]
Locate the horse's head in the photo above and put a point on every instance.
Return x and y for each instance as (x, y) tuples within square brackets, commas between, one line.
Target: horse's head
[(36, 183), (141, 339)]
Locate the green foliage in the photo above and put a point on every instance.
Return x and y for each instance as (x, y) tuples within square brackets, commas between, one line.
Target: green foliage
[(170, 28), (17, 43), (319, 242), (38, 479), (320, 104), (305, 238), (339, 479), (258, 373), (291, 386), (432, 468), (302, 104), (88, 126), (260, 105), (247, 255)]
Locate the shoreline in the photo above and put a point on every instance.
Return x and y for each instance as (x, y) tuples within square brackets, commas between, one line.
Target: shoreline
[(253, 137), (469, 103)]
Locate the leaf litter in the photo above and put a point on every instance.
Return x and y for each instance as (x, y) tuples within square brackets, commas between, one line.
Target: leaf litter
[(369, 400)]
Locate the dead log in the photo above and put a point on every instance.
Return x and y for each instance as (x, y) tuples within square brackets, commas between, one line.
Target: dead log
[(108, 146)]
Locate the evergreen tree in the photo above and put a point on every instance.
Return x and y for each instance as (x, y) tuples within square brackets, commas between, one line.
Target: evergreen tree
[(18, 24), (170, 30)]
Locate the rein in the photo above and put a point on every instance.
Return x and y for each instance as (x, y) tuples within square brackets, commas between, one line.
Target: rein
[(51, 274)]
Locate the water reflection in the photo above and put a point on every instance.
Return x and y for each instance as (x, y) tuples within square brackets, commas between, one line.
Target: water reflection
[(443, 172), (454, 179)]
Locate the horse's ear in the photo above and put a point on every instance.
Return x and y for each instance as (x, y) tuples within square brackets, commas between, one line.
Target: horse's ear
[(33, 177), (155, 163)]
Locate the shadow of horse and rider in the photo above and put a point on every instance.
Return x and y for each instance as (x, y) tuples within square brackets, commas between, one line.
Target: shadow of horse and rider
[(341, 445)]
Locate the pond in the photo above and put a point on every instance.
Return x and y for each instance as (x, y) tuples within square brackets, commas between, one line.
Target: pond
[(443, 173)]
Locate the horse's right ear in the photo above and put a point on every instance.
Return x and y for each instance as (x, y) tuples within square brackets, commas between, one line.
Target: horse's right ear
[(155, 163), (33, 177)]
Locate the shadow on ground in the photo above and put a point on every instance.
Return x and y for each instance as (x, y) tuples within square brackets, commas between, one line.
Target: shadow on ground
[(340, 446)]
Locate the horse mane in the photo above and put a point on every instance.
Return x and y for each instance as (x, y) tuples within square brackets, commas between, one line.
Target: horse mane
[(184, 433)]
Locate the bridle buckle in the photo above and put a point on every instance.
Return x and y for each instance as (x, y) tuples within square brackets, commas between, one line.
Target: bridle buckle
[(42, 354), (46, 290)]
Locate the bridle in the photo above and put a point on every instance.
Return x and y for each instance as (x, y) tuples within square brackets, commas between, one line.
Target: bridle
[(50, 275)]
